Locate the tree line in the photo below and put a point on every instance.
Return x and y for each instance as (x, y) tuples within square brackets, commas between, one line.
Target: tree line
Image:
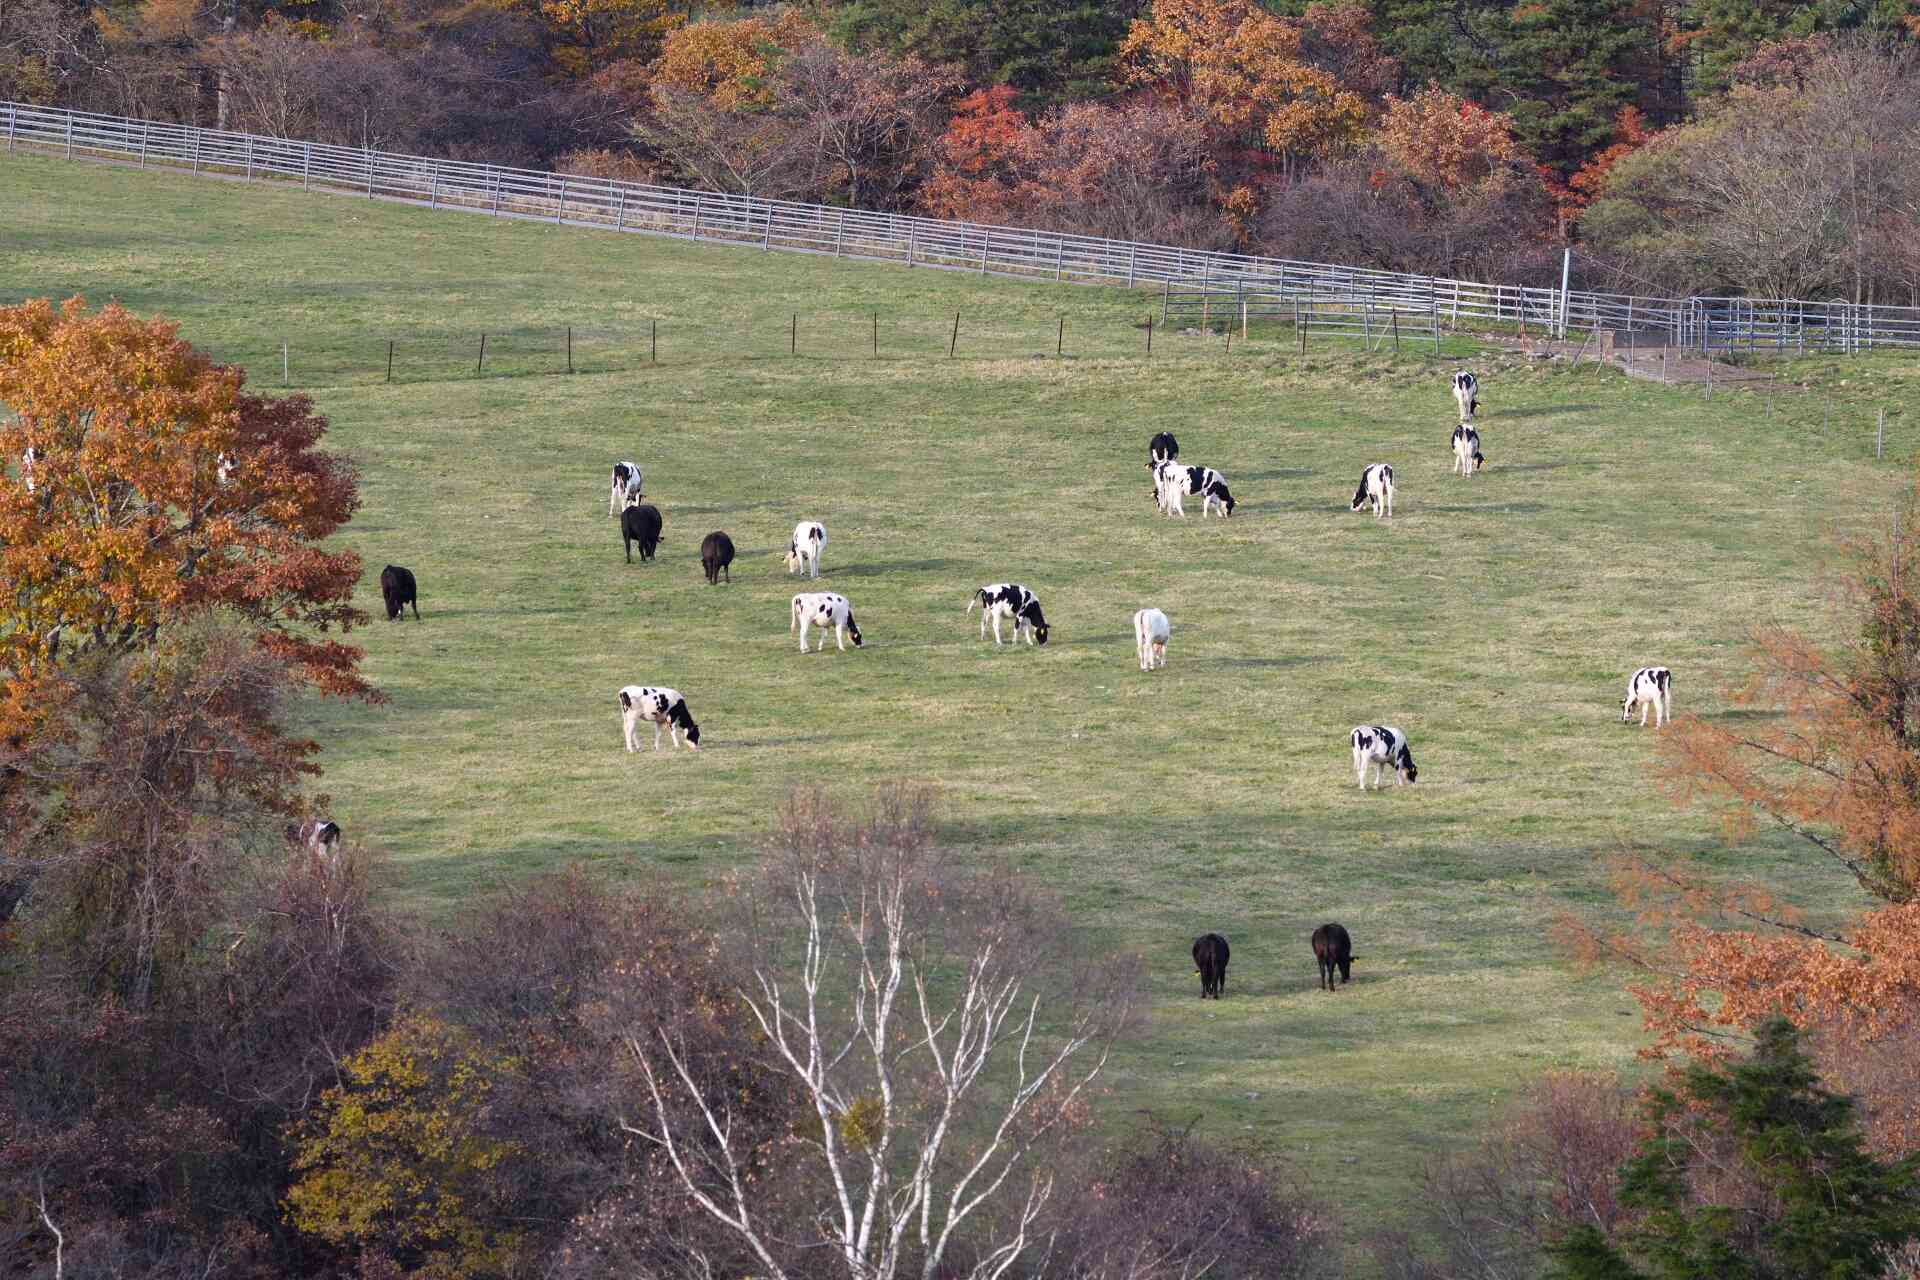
[(1712, 146)]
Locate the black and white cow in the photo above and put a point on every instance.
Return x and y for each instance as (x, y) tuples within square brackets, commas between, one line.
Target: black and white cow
[(1150, 634), (626, 485), (1649, 688), (1162, 448), (809, 540), (1332, 949), (1467, 457), (318, 836), (1210, 954), (397, 591), (665, 707), (640, 523), (1376, 490), (826, 610), (1176, 481), (1378, 747), (1010, 600), (1466, 394)]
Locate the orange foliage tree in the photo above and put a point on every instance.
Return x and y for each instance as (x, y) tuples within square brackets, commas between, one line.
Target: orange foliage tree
[(1245, 71), (159, 491), (585, 36), (730, 63), (1444, 140), (1838, 770), (976, 159)]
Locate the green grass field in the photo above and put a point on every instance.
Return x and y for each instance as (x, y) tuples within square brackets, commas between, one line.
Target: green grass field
[(1494, 620)]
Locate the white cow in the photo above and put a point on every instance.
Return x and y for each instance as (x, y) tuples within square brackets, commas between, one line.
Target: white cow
[(1378, 746), (1150, 633), (1466, 394), (1010, 600), (1467, 457), (1376, 488), (665, 707), (824, 609), (809, 540), (1649, 688), (625, 487)]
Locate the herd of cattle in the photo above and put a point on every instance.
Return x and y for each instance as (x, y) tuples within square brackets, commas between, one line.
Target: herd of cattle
[(1376, 748)]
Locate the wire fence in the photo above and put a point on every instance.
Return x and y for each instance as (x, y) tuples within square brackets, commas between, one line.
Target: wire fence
[(1215, 279)]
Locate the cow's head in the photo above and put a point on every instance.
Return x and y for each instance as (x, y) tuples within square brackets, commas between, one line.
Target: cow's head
[(1626, 707), (1403, 765), (792, 557), (853, 630), (1226, 498)]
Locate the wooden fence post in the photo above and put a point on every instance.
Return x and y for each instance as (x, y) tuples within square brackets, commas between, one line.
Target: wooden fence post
[(1149, 336), (699, 206), (306, 168), (569, 348), (196, 151), (1396, 331), (1880, 436), (496, 192), (481, 362), (1243, 317), (1299, 329), (839, 230), (793, 336), (13, 126), (286, 377), (656, 342), (985, 240), (1133, 255), (560, 212), (620, 210), (1060, 343), (369, 155), (1059, 258), (1166, 287), (876, 335), (249, 157), (954, 345), (389, 361), (69, 135), (433, 188), (913, 229), (145, 126), (766, 241)]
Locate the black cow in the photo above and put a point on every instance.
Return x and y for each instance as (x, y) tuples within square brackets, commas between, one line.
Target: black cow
[(1332, 948), (399, 590), (1210, 958), (716, 553), (640, 523)]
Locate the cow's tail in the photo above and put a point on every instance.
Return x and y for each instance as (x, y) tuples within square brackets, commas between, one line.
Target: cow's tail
[(977, 598), (794, 625)]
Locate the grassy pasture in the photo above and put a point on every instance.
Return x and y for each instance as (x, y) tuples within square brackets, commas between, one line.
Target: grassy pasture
[(1494, 620)]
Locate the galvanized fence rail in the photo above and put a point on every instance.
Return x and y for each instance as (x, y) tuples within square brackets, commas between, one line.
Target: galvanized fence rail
[(1706, 323)]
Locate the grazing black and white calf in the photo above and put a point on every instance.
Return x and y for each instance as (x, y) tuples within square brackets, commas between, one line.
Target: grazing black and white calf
[(398, 590), (809, 540), (318, 836), (716, 554), (1162, 448), (1378, 747), (1010, 600), (1175, 481), (640, 523), (1332, 949), (665, 707), (1376, 490), (826, 610), (1210, 953), (1150, 633), (27, 461), (626, 486), (1466, 394), (1467, 457), (1649, 688)]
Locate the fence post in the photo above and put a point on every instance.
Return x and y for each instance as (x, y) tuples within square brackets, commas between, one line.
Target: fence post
[(954, 345), (196, 151), (1149, 335), (620, 211), (912, 230), (1165, 297), (13, 125), (1243, 317), (69, 135), (368, 151), (306, 168), (1433, 319), (569, 348), (496, 191), (656, 342), (433, 189), (145, 127), (985, 240), (1366, 325), (766, 241), (1059, 258), (249, 157), (286, 377), (1060, 343), (1880, 436), (876, 335), (1299, 329), (699, 206), (1396, 331), (389, 360), (481, 362), (793, 336), (1133, 254), (561, 212), (839, 231)]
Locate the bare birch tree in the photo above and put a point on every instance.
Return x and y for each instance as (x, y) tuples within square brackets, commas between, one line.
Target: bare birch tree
[(938, 1025)]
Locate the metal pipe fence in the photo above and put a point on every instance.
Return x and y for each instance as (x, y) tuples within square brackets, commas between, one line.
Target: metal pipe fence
[(1709, 324)]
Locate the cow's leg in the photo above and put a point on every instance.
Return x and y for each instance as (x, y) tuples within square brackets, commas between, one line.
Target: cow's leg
[(839, 636), (803, 634), (983, 622), (656, 735), (996, 626)]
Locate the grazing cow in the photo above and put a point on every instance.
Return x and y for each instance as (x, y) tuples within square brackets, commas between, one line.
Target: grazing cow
[(1150, 632), (399, 590), (824, 609), (1377, 746), (640, 523), (626, 486), (27, 459), (1467, 457), (716, 554), (1649, 688), (1466, 394), (665, 707), (1332, 949), (1162, 448), (809, 540), (318, 836), (1175, 481), (1210, 953), (1376, 490), (1010, 600)]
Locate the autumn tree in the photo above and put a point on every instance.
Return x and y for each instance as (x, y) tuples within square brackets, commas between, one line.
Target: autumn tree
[(1446, 141), (1245, 71), (730, 63), (1048, 54), (976, 159), (584, 36)]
